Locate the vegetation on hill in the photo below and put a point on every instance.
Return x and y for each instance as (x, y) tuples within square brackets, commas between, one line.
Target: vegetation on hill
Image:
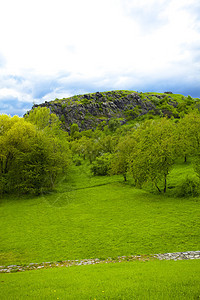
[(143, 134), (92, 110), (122, 182), (148, 150), (32, 154)]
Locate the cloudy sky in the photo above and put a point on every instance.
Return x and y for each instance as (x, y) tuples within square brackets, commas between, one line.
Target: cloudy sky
[(57, 48)]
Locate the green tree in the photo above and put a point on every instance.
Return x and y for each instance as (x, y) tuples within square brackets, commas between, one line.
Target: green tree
[(74, 130), (113, 124), (30, 160), (188, 135), (154, 153), (42, 118), (120, 159), (101, 165)]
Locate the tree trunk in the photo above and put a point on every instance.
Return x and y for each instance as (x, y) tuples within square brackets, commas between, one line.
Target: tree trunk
[(124, 177), (158, 188), (165, 186)]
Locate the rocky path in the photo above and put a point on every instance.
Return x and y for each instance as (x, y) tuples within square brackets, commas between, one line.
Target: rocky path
[(68, 263)]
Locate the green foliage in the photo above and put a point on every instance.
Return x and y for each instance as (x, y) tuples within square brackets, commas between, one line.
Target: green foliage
[(120, 160), (77, 160), (74, 131), (196, 164), (155, 100), (64, 105), (190, 187), (62, 118), (113, 124), (30, 159), (101, 165), (154, 153), (85, 101), (168, 110), (188, 136), (35, 152), (41, 117), (147, 149)]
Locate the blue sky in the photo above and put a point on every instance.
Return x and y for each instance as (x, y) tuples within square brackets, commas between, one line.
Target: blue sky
[(54, 49)]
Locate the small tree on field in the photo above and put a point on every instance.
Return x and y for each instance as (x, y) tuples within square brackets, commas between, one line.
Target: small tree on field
[(154, 153), (120, 159), (188, 135)]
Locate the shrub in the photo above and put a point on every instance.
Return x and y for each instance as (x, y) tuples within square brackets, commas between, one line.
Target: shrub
[(63, 106), (62, 118), (155, 100), (189, 187), (101, 165), (74, 129), (85, 101), (77, 161), (113, 124)]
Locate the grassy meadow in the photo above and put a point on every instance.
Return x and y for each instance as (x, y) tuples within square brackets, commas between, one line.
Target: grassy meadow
[(96, 217), (101, 217), (131, 280)]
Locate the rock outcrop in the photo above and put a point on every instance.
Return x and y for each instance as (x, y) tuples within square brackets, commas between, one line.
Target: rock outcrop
[(89, 110)]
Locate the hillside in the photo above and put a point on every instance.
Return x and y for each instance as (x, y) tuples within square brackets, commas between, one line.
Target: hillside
[(94, 199), (90, 110)]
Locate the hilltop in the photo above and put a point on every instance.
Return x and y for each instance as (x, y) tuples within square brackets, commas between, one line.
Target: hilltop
[(90, 110)]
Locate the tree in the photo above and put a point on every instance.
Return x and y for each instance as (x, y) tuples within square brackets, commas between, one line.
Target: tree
[(154, 153), (120, 159), (188, 135), (42, 118), (101, 165), (113, 124), (30, 160), (74, 131)]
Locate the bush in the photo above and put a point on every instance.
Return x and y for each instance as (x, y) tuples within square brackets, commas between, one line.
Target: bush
[(101, 165), (189, 187), (77, 161), (62, 118), (113, 124), (74, 130)]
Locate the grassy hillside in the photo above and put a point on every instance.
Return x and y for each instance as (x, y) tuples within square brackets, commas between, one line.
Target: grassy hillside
[(97, 217), (87, 216)]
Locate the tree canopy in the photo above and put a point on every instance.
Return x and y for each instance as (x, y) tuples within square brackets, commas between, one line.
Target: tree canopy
[(30, 159)]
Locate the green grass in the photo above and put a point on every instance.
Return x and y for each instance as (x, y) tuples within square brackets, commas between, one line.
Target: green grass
[(175, 97), (96, 217), (131, 280)]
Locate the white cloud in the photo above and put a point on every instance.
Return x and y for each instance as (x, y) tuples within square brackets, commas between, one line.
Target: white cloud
[(54, 48)]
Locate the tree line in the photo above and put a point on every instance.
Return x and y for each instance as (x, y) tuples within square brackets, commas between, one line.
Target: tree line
[(35, 151), (147, 150)]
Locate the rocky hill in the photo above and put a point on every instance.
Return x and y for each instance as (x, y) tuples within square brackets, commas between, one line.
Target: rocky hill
[(89, 110)]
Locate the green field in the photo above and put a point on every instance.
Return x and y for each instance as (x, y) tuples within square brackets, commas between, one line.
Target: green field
[(101, 217), (133, 280), (96, 217)]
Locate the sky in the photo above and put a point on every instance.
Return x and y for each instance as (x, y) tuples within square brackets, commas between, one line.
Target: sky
[(59, 48)]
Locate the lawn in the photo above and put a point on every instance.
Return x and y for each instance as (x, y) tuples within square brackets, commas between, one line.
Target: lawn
[(131, 280), (96, 217)]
